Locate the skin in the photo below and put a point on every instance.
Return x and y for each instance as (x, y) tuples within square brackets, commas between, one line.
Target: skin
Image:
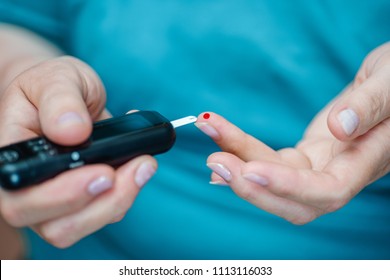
[(59, 96), (327, 168)]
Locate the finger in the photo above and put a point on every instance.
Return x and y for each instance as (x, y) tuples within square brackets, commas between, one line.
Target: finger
[(363, 160), (105, 209), (229, 167), (304, 186), (233, 140), (67, 93), (363, 108), (217, 180), (64, 194), (339, 181)]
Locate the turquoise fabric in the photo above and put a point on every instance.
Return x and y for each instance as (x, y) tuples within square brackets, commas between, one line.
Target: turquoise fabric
[(268, 66)]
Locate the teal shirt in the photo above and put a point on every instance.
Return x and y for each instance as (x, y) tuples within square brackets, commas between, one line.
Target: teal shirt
[(267, 66)]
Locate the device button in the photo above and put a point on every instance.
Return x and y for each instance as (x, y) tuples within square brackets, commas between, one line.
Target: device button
[(75, 156), (40, 148), (9, 156), (77, 161), (36, 142), (45, 148)]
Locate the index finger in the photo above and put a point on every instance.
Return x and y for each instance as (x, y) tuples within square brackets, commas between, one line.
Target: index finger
[(233, 140)]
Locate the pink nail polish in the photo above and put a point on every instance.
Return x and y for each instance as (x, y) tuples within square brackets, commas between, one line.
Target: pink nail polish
[(221, 171), (218, 183), (144, 173), (99, 185), (349, 121), (257, 179), (70, 118), (208, 130)]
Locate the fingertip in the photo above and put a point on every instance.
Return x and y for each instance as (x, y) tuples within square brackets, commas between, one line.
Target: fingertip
[(343, 123), (213, 125), (217, 180), (221, 170), (205, 116), (96, 178), (217, 157), (208, 129), (69, 128), (100, 185), (223, 166), (144, 173), (213, 119), (139, 170)]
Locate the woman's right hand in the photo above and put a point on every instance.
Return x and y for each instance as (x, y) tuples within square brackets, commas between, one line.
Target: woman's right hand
[(60, 98)]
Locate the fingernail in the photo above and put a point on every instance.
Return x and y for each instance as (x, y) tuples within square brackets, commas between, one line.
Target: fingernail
[(221, 171), (254, 178), (218, 183), (144, 173), (349, 120), (208, 129), (69, 118), (100, 185)]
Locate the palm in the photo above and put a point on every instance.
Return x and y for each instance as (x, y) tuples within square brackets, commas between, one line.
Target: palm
[(334, 161), (321, 174)]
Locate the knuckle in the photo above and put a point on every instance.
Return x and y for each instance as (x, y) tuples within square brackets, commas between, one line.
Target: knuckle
[(86, 74), (55, 72)]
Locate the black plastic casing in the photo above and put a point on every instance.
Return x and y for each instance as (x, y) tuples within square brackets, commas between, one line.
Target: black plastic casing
[(113, 141)]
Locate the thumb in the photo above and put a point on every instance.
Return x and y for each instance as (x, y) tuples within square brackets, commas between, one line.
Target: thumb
[(67, 100), (367, 102), (361, 108)]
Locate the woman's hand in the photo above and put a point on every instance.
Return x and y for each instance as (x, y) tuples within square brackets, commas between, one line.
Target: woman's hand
[(60, 98), (345, 148)]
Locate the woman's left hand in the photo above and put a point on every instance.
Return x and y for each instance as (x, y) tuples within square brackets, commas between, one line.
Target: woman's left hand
[(345, 148)]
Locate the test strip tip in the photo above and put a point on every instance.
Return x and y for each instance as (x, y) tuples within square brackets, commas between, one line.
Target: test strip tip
[(183, 121)]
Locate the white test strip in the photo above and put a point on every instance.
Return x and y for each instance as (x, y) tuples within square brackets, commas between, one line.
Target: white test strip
[(183, 121)]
